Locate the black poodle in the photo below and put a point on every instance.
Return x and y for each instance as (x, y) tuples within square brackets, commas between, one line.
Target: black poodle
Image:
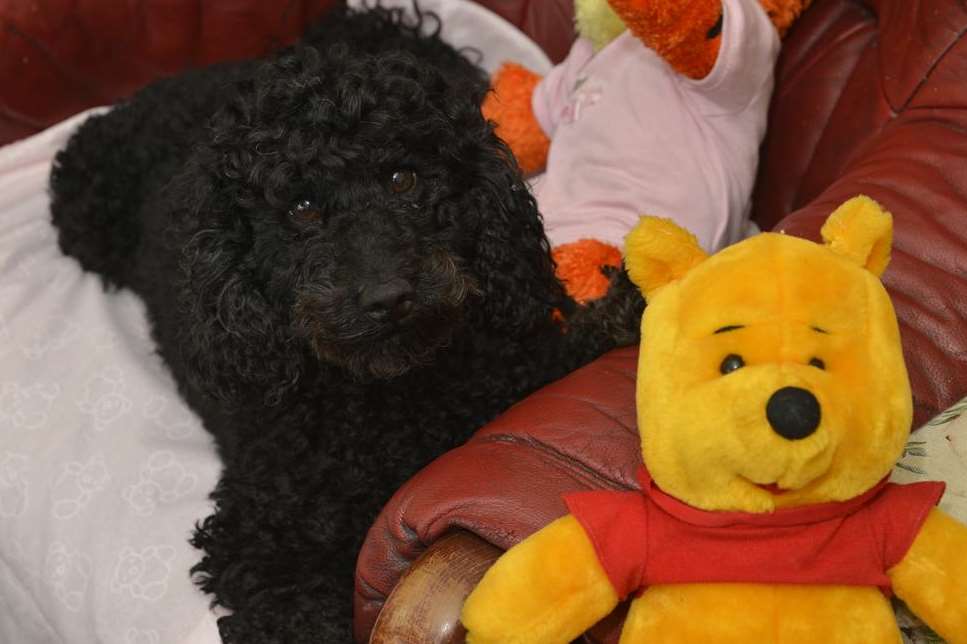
[(346, 275)]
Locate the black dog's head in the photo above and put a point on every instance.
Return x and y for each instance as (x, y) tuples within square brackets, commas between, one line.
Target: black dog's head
[(354, 210)]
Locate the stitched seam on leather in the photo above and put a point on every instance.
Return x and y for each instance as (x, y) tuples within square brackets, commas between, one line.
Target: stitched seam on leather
[(574, 465), (616, 372), (592, 405), (91, 94), (933, 67), (19, 120), (794, 198), (856, 154), (804, 68), (368, 592)]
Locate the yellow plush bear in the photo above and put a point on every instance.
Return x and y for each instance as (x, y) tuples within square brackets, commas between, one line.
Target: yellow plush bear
[(773, 402)]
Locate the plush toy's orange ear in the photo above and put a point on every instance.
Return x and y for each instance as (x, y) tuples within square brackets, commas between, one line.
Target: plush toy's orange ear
[(861, 231), (658, 251)]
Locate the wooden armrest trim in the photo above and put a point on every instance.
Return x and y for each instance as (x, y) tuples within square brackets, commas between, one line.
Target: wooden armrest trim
[(425, 605)]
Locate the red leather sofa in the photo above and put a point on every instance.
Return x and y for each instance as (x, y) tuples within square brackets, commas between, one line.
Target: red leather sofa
[(870, 98)]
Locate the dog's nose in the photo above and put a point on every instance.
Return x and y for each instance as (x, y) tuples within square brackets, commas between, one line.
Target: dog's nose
[(392, 300), (793, 412)]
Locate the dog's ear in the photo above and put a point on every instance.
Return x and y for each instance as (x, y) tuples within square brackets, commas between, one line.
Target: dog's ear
[(237, 345), (513, 261)]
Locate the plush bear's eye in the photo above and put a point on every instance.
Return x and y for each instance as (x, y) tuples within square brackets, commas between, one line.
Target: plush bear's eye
[(402, 181), (731, 363), (816, 362), (305, 210)]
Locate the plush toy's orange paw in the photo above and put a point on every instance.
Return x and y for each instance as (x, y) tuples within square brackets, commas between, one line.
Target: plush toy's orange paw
[(509, 106), (579, 267), (678, 31)]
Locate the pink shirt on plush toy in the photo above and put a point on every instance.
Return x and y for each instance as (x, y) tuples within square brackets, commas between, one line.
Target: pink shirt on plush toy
[(631, 136)]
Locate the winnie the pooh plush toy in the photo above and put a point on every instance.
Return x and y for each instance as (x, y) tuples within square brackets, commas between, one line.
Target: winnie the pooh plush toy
[(660, 106), (773, 402)]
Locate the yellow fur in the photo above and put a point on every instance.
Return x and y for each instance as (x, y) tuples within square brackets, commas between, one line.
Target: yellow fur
[(657, 252), (861, 231), (745, 613), (548, 588), (781, 303), (932, 578)]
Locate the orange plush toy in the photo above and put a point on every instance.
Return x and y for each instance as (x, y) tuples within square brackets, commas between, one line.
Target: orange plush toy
[(659, 107)]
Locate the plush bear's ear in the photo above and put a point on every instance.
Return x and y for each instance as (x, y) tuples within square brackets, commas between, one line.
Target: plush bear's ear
[(861, 231), (658, 251)]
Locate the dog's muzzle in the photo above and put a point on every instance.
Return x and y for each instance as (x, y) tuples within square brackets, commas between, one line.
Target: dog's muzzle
[(384, 329)]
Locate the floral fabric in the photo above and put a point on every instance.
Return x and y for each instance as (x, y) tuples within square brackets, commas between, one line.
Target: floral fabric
[(935, 452)]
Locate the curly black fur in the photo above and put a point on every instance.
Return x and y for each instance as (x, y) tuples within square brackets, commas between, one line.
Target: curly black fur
[(252, 207)]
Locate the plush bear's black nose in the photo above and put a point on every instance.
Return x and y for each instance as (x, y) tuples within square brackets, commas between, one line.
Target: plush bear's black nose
[(392, 300), (793, 412)]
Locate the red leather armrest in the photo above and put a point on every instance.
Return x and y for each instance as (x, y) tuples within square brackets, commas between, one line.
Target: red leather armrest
[(576, 434)]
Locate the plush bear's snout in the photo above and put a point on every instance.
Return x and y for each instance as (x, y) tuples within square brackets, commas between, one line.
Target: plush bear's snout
[(793, 412)]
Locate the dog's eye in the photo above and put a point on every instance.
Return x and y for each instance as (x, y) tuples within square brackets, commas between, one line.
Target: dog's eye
[(818, 363), (305, 210), (402, 181), (731, 363)]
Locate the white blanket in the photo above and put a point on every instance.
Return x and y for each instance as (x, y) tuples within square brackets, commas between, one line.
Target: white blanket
[(103, 470)]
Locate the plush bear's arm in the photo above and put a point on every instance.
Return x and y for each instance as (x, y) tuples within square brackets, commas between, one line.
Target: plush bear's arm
[(548, 588), (509, 106), (932, 578), (683, 33)]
